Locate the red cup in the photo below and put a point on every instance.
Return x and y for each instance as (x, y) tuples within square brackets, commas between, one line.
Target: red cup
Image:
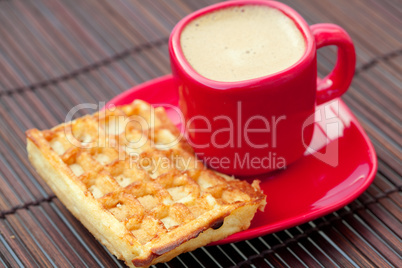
[(267, 113)]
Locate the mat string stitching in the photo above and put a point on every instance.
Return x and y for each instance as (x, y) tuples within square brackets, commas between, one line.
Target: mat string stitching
[(382, 58), (386, 194), (86, 69), (125, 53), (13, 210), (317, 228)]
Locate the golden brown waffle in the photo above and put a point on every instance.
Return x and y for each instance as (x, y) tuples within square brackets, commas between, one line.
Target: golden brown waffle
[(130, 178)]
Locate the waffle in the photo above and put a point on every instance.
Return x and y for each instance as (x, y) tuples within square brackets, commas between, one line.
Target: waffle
[(136, 185)]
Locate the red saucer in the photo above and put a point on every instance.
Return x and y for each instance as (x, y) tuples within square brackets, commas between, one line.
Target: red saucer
[(315, 185)]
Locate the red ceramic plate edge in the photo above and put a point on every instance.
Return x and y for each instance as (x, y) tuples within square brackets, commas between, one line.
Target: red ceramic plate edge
[(285, 224), (291, 222)]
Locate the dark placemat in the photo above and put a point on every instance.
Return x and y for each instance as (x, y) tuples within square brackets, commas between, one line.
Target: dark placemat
[(57, 54)]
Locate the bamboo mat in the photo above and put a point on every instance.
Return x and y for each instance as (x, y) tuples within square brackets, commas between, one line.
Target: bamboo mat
[(57, 54)]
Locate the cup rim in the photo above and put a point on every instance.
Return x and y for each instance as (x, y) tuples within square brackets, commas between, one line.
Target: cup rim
[(181, 62)]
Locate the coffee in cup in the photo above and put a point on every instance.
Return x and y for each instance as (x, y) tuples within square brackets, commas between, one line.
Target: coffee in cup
[(242, 42)]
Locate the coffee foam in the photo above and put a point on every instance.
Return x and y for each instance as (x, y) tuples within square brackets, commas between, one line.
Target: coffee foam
[(241, 43)]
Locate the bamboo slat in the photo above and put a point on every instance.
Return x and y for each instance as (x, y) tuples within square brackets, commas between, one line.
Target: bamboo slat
[(55, 55)]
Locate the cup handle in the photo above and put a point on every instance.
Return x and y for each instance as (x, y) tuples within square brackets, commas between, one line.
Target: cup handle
[(339, 79)]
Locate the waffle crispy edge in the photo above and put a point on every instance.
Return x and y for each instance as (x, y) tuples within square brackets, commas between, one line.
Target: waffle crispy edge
[(113, 233)]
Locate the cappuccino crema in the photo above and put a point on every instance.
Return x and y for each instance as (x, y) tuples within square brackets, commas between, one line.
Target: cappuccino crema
[(241, 43)]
